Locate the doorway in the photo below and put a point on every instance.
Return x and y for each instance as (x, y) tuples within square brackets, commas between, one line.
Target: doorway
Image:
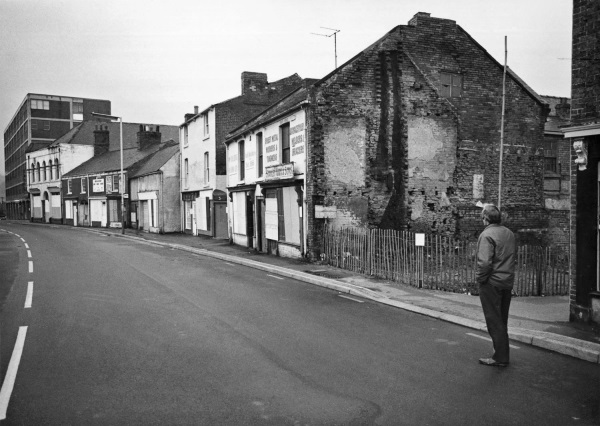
[(220, 220)]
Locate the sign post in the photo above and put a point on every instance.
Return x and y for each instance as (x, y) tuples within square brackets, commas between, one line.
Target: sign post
[(420, 246)]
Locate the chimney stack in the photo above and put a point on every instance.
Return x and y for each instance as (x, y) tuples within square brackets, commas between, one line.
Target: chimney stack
[(148, 136), (101, 139), (189, 116), (253, 82)]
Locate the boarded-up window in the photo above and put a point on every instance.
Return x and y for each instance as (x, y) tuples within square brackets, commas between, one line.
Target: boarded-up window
[(239, 211), (450, 85), (113, 211), (291, 215)]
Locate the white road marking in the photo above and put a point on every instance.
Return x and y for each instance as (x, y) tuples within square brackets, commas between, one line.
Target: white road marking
[(17, 235), (275, 276), (22, 239), (351, 298), (11, 372), (29, 297), (30, 266), (26, 245), (489, 340), (29, 253)]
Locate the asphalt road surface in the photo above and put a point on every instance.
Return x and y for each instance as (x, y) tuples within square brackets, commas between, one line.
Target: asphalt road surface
[(108, 331)]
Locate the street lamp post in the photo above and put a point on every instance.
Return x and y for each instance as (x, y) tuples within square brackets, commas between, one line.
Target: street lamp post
[(122, 186)]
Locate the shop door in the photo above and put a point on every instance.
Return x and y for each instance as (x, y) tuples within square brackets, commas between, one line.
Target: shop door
[(98, 212), (220, 215), (83, 215), (261, 234), (146, 210)]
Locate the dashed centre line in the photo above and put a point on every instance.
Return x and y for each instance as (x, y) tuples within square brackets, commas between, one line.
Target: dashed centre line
[(31, 266), (29, 297), (29, 253)]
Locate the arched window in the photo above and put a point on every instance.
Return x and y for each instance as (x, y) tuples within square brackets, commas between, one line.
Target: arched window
[(56, 169), (37, 172), (32, 172), (50, 169), (44, 170)]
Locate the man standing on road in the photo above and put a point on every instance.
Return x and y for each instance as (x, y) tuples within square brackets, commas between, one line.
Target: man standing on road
[(496, 251)]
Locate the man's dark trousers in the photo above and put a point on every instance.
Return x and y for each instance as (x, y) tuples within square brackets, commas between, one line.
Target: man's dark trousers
[(495, 303)]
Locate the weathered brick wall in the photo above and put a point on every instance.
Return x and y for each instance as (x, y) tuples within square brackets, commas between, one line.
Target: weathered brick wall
[(585, 89), (389, 151), (436, 46), (585, 101), (355, 152)]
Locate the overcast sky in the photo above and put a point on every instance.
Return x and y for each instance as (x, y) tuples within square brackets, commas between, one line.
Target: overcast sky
[(155, 60)]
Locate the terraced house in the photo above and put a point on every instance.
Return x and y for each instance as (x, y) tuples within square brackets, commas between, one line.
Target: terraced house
[(405, 135), (92, 191), (203, 186)]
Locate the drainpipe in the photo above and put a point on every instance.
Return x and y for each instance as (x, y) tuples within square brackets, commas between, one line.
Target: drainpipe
[(161, 208)]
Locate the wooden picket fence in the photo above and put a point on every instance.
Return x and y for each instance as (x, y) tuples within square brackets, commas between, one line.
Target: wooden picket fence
[(441, 263)]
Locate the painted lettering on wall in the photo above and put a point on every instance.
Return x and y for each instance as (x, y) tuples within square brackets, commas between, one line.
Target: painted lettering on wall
[(298, 139)]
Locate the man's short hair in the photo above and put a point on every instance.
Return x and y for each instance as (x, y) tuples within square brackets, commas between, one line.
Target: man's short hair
[(491, 213)]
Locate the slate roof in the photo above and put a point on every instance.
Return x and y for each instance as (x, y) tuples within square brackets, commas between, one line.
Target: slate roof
[(111, 161), (83, 134), (259, 99), (153, 162), (281, 107)]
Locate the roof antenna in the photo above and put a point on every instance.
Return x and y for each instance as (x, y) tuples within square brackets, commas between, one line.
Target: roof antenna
[(334, 34)]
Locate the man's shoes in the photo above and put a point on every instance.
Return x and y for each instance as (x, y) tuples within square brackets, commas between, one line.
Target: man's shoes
[(492, 362)]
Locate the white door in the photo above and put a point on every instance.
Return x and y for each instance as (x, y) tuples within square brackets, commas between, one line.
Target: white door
[(74, 213), (98, 211)]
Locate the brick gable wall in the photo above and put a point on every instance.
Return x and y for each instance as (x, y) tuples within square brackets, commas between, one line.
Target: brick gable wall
[(389, 151)]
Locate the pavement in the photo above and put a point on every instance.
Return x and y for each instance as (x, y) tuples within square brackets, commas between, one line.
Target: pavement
[(537, 321)]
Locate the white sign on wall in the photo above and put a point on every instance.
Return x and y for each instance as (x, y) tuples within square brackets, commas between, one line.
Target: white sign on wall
[(325, 212), (98, 185), (420, 240), (478, 192)]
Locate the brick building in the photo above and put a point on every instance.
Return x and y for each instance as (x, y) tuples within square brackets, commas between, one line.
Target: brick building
[(584, 136), (39, 121), (557, 172), (406, 135), (203, 163), (91, 192)]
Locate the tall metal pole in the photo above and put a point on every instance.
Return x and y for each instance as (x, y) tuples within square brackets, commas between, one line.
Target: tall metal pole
[(122, 186), (502, 127)]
